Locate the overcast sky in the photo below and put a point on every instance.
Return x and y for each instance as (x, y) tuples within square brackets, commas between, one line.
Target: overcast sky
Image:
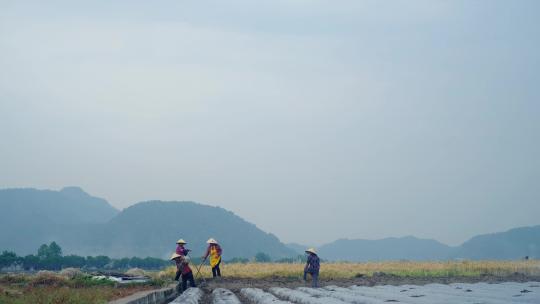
[(315, 120)]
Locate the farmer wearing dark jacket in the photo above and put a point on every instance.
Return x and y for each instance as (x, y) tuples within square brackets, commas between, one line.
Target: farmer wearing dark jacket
[(312, 267), (183, 269), (214, 251)]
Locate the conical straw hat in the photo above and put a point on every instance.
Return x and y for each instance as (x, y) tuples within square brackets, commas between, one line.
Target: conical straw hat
[(312, 250), (181, 241), (175, 255), (211, 241)]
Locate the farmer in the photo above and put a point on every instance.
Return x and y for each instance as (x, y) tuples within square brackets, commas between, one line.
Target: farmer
[(180, 249), (312, 267), (183, 269), (214, 251)]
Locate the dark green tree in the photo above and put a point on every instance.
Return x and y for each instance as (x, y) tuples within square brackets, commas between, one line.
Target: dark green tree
[(31, 262), (50, 256), (122, 263), (55, 250), (43, 251), (262, 257), (50, 251), (73, 261), (97, 262), (8, 258)]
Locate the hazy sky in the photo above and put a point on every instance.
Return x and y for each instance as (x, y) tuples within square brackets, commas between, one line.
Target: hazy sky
[(315, 120)]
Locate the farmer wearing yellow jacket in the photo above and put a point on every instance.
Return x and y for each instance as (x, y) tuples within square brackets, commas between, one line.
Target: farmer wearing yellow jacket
[(214, 251)]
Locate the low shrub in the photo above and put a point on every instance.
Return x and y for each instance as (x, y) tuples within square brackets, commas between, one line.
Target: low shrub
[(136, 272), (71, 273), (48, 278)]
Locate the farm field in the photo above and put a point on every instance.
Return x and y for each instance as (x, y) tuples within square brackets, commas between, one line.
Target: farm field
[(356, 283), (282, 283), (478, 293), (399, 269)]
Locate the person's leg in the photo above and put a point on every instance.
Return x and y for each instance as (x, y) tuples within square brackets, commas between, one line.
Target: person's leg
[(177, 278), (191, 280), (315, 277), (184, 282), (217, 269), (214, 271)]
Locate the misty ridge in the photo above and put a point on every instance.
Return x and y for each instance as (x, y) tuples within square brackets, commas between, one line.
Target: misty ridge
[(86, 225)]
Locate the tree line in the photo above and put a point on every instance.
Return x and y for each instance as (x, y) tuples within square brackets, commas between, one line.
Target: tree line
[(49, 257)]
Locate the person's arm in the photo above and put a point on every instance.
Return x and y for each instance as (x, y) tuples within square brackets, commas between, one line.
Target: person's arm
[(207, 253), (219, 250), (305, 270), (308, 263)]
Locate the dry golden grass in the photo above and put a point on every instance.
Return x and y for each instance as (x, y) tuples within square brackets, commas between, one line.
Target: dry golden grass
[(350, 270)]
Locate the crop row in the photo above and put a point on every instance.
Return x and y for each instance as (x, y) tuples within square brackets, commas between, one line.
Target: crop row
[(526, 293)]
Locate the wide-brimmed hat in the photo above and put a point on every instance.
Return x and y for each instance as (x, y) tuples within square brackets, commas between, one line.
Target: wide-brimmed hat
[(311, 250), (181, 241), (211, 241), (175, 256)]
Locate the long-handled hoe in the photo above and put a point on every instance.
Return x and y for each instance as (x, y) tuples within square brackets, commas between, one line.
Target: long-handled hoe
[(200, 274)]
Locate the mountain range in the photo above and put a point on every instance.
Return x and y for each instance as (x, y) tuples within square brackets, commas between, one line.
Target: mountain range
[(86, 225), (515, 243)]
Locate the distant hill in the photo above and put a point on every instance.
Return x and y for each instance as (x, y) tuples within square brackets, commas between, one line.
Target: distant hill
[(86, 225), (512, 244), (509, 245), (31, 217), (405, 248), (151, 229)]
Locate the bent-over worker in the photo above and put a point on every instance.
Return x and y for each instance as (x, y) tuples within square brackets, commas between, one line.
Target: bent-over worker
[(183, 269)]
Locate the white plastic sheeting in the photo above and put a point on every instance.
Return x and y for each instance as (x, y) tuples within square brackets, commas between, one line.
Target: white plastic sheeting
[(190, 296), (458, 293), (122, 280), (515, 292), (224, 296), (413, 295), (479, 292), (256, 295), (349, 298), (454, 293), (385, 297), (302, 297)]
